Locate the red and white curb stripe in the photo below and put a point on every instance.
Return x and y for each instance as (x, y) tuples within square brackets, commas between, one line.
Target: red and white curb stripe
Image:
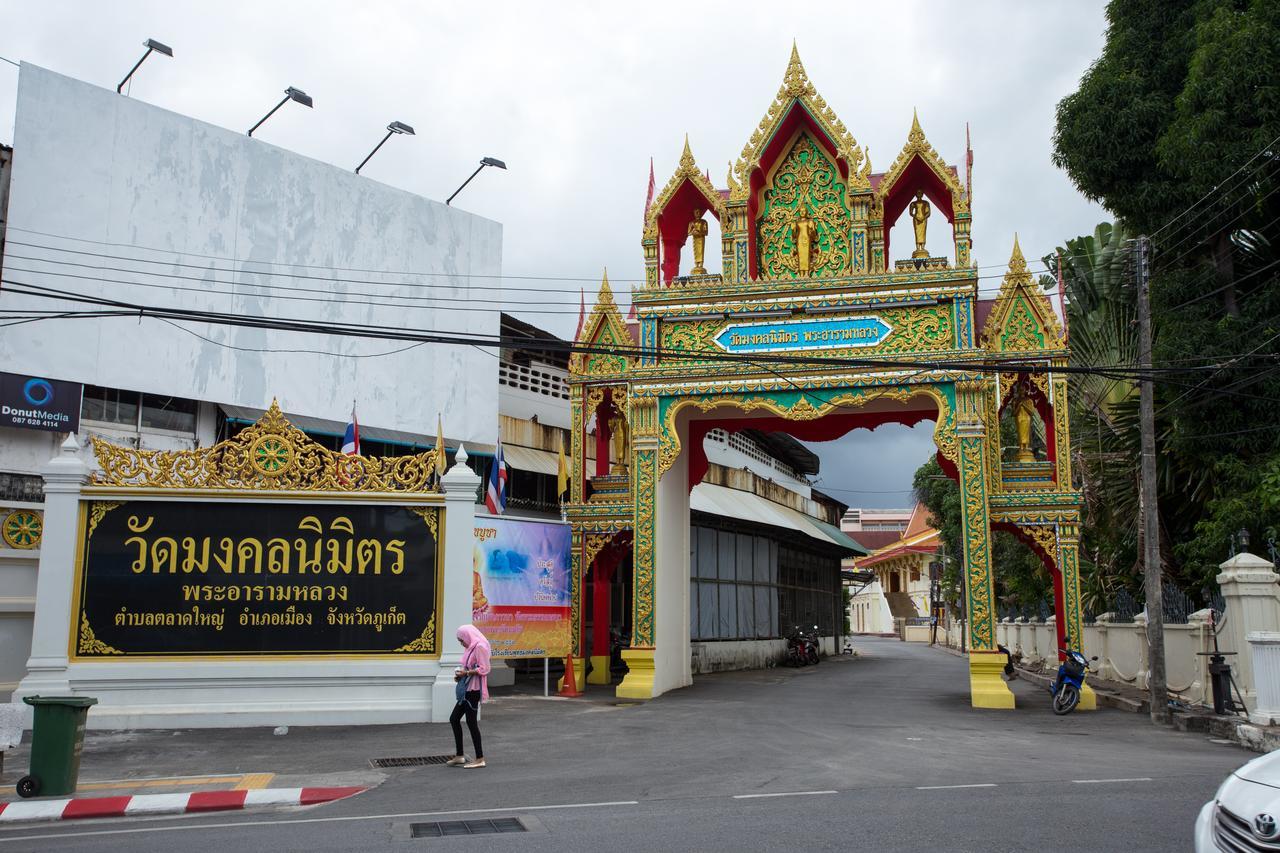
[(153, 804)]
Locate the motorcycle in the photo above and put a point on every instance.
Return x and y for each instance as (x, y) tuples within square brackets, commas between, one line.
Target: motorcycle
[(797, 651), (811, 646), (1066, 687)]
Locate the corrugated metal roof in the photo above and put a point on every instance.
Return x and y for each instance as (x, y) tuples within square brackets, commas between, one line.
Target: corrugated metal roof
[(748, 506)]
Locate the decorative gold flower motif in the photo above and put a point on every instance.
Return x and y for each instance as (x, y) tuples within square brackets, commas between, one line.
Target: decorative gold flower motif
[(22, 529), (271, 455)]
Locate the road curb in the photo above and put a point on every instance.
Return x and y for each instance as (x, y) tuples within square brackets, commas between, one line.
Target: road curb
[(158, 804)]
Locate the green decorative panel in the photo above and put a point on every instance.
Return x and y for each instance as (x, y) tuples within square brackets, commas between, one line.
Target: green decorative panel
[(805, 184), (1021, 330)]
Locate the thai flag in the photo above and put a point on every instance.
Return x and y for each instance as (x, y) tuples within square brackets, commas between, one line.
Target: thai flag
[(351, 441), (495, 496)]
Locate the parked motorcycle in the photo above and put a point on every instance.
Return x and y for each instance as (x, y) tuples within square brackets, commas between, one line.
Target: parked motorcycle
[(1066, 687), (811, 645), (797, 649)]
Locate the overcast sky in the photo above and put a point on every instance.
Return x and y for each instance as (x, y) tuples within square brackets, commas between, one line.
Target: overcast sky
[(577, 97)]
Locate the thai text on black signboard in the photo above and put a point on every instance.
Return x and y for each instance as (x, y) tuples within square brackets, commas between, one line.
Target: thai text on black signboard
[(183, 579)]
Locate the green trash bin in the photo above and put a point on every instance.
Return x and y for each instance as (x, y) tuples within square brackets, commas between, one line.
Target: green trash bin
[(57, 738)]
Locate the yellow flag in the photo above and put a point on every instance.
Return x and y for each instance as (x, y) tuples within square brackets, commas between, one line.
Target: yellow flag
[(562, 476), (440, 459)]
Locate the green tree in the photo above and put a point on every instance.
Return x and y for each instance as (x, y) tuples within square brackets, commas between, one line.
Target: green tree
[(1175, 129)]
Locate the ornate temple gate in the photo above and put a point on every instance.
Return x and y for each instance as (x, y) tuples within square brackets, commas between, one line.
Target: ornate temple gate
[(811, 330)]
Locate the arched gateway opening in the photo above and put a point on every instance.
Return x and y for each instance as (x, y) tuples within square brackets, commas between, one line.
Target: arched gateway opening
[(811, 330)]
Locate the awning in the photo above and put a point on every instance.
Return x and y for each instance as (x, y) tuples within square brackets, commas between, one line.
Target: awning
[(748, 506), (528, 459)]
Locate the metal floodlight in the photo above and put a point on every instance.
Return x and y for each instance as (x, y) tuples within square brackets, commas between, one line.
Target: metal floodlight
[(150, 45), (484, 161), (290, 94), (394, 127)]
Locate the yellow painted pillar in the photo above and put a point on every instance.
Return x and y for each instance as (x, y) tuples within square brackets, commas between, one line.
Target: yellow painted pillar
[(638, 682), (1069, 567), (986, 688), (599, 673)]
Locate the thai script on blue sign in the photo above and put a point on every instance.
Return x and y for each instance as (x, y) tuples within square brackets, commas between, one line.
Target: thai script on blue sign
[(836, 333)]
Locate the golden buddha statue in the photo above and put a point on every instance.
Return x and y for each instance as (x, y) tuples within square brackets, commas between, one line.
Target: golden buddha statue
[(804, 236), (621, 446), (920, 210), (1022, 420), (698, 231)]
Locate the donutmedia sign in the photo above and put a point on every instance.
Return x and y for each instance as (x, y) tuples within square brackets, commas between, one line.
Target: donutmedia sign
[(29, 402)]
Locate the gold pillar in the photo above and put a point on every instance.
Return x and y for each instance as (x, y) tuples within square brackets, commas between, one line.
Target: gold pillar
[(987, 689), (1073, 603), (638, 683)]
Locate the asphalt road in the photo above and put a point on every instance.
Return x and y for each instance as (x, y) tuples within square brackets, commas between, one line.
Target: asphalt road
[(878, 753)]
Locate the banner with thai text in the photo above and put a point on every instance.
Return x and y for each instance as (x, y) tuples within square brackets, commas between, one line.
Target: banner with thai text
[(521, 587), (187, 579)]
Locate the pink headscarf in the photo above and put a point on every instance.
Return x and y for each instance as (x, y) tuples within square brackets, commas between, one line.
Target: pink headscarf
[(475, 657)]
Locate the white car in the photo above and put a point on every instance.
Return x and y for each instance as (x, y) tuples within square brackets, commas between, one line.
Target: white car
[(1244, 816)]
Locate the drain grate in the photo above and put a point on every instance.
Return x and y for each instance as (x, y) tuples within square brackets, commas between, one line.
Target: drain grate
[(447, 828), (409, 761)]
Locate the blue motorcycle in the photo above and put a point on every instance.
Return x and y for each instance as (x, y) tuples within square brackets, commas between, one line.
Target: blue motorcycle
[(1066, 688)]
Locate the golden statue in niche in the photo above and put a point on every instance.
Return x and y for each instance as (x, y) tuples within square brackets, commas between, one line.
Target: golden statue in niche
[(1022, 416), (698, 231), (804, 234), (920, 210), (621, 446)]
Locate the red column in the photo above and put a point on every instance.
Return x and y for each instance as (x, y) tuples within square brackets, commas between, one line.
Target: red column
[(602, 586), (602, 441)]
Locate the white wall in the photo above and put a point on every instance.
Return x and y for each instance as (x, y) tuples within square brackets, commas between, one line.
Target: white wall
[(109, 175)]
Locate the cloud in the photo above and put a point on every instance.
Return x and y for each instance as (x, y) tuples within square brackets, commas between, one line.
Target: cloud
[(577, 97)]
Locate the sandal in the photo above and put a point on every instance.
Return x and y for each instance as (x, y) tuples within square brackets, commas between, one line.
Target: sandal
[(456, 761), (479, 762)]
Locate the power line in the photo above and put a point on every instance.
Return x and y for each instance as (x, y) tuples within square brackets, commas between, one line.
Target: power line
[(563, 347), (1264, 149)]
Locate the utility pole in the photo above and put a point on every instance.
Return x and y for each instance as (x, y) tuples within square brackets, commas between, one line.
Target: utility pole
[(1150, 507)]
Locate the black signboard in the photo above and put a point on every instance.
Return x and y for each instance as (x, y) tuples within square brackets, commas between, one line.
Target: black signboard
[(184, 579), (30, 402)]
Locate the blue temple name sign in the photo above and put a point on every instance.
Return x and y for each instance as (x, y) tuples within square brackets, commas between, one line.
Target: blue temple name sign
[(836, 333)]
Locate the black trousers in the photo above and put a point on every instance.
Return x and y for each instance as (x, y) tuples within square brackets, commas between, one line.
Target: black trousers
[(468, 708)]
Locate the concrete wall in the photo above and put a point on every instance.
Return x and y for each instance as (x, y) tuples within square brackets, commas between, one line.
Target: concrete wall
[(725, 655), (1121, 648), (217, 211), (17, 604)]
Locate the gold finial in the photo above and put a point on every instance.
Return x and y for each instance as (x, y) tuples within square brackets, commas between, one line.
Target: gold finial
[(796, 80), (605, 297), (1017, 263), (686, 157), (917, 133)]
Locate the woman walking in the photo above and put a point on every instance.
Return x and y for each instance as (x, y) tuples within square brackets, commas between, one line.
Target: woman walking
[(473, 688)]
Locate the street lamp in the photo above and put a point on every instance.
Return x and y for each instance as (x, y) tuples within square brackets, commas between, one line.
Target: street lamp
[(150, 45), (394, 127), (290, 94), (486, 161)]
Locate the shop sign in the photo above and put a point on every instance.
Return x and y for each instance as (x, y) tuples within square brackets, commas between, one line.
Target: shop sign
[(32, 402), (194, 579)]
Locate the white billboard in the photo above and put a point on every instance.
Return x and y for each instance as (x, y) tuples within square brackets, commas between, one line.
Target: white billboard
[(114, 198)]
